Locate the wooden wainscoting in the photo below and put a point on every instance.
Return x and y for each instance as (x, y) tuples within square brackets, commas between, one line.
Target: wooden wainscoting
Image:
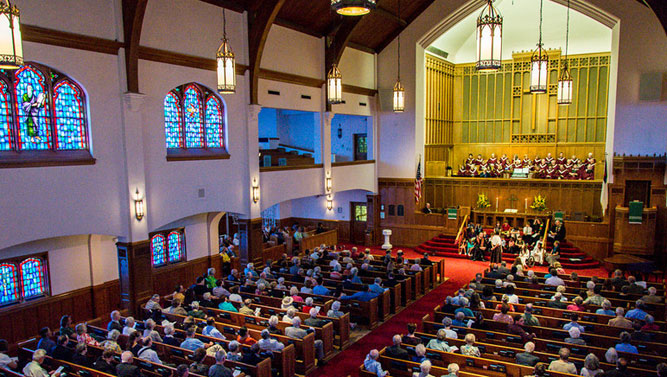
[(185, 273), (412, 235), (343, 227), (592, 238), (22, 321)]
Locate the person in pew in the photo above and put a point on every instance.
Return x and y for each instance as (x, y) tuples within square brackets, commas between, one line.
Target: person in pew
[(234, 275), (219, 369), (290, 314), (82, 335), (195, 311), (191, 343), (509, 280), (61, 351), (427, 209), (469, 349), (503, 316), (182, 371), (503, 270), (487, 294), (210, 278), (226, 305), (234, 351), (661, 370), (410, 337), (449, 333), (135, 342), (66, 325), (288, 302), (638, 334), (459, 320), (464, 302), (558, 301), (554, 280), (425, 260), (45, 341), (574, 322), (650, 324), (420, 354), (557, 232), (511, 297), (540, 370), (396, 351), (624, 343), (527, 358), (197, 366), (104, 363), (476, 302), (114, 324), (596, 298), (577, 305), (651, 297), (528, 318), (563, 364), (591, 366), (147, 353), (199, 287), (638, 312), (477, 283), (363, 296), (372, 365), (112, 341), (152, 304), (125, 367), (307, 305), (620, 320), (319, 288), (452, 370), (516, 328), (206, 301), (335, 311), (415, 266), (424, 369), (175, 308), (621, 369), (633, 287), (575, 337), (313, 321), (211, 330), (267, 343), (35, 369), (252, 355), (244, 337), (245, 307), (605, 309), (296, 332), (440, 342), (169, 336), (129, 326)]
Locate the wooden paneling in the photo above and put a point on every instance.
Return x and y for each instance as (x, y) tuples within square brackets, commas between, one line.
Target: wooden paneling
[(19, 322), (567, 196), (343, 227), (164, 279), (592, 238), (52, 37), (632, 238), (412, 235)]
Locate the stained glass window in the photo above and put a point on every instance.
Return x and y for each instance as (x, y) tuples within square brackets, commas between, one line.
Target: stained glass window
[(214, 130), (193, 118), (32, 109), (158, 250), (32, 278), (70, 122), (41, 109), (175, 248), (172, 121), (9, 291)]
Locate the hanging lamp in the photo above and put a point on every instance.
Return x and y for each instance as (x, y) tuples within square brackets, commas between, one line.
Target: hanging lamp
[(539, 64), (334, 86), (565, 78), (353, 7), (399, 91), (11, 46), (489, 38), (226, 63)]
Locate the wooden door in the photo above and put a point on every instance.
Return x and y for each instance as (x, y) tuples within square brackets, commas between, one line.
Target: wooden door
[(638, 190), (360, 147), (359, 216)]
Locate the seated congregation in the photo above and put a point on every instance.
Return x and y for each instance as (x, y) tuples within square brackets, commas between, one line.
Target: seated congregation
[(541, 168)]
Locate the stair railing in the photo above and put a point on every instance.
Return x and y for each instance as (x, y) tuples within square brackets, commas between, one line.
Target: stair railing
[(459, 235), (546, 232)]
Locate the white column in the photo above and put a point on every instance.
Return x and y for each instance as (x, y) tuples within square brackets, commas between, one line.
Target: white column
[(254, 209), (326, 119), (134, 164)]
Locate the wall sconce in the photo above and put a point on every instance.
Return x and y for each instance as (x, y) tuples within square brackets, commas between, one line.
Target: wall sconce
[(255, 191), (139, 211), (329, 182), (329, 202)]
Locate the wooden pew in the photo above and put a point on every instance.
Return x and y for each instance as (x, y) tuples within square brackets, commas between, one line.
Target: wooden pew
[(328, 238)]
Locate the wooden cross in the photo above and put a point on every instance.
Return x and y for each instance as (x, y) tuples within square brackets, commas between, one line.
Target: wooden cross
[(512, 200)]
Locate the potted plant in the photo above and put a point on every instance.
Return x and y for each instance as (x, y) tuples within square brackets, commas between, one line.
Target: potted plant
[(483, 201), (539, 203)]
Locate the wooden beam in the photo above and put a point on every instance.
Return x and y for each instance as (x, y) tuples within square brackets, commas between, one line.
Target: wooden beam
[(409, 20), (659, 7), (297, 27), (359, 47), (133, 19), (259, 23), (390, 16), (52, 37), (236, 6), (168, 57)]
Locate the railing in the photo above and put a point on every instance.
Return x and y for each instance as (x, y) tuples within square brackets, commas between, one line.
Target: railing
[(460, 233), (546, 232)]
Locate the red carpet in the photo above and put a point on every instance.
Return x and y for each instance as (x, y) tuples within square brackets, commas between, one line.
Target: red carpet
[(458, 271)]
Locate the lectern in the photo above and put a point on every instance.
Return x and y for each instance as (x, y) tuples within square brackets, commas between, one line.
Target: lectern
[(634, 231)]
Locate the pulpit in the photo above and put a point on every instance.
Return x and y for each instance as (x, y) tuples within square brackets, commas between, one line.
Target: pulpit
[(632, 235), (387, 244)]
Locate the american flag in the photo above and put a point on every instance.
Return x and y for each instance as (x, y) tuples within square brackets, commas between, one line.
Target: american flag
[(418, 182)]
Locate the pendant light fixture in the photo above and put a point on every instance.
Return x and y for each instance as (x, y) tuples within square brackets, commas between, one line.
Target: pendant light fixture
[(353, 7), (334, 86), (489, 38), (565, 79), (539, 64), (399, 91), (11, 46), (226, 63)]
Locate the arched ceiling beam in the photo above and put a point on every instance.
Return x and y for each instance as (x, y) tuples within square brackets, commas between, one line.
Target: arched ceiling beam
[(260, 18), (133, 19)]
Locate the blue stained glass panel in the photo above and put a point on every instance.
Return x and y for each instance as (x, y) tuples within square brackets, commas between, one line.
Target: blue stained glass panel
[(172, 121), (70, 123), (194, 128), (214, 129), (32, 278), (157, 248), (175, 246), (32, 104), (5, 118), (9, 290)]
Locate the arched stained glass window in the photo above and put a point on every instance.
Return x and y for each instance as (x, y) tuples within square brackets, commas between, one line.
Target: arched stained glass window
[(214, 129), (175, 246), (172, 121), (32, 109), (6, 120), (33, 282), (158, 250), (70, 121), (194, 123), (9, 289)]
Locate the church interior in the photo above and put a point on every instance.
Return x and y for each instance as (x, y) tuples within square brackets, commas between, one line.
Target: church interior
[(215, 188)]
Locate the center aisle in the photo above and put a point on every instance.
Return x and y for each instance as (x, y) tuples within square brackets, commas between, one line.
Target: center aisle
[(458, 272)]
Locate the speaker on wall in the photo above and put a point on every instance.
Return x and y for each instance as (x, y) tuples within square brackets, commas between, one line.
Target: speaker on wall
[(653, 86), (386, 99)]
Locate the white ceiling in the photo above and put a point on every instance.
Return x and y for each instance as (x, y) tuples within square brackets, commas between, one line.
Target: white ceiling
[(520, 31)]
